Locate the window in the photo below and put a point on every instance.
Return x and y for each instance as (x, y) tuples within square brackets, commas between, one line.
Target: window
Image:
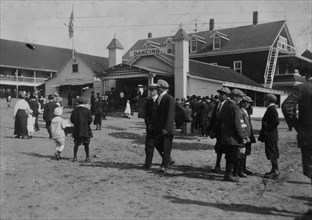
[(282, 42), (75, 68), (216, 43), (238, 66), (170, 48), (194, 45)]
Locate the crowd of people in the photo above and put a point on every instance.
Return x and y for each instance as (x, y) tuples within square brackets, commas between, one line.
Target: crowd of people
[(224, 117)]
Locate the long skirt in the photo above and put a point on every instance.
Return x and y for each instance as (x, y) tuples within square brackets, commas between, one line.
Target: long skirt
[(20, 125), (98, 119)]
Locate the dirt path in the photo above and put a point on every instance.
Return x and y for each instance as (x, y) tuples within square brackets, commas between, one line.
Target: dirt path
[(36, 186)]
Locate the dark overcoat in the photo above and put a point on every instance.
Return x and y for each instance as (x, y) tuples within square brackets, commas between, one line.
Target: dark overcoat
[(214, 127), (34, 106), (81, 118), (48, 113), (165, 115), (150, 116), (270, 121), (231, 130), (99, 107), (204, 111)]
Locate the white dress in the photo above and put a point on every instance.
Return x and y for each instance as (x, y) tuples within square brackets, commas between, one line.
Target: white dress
[(128, 109)]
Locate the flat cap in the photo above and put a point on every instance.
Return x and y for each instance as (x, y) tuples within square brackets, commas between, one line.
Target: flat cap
[(224, 90), (162, 83), (153, 86), (247, 99), (271, 98), (186, 103), (237, 92)]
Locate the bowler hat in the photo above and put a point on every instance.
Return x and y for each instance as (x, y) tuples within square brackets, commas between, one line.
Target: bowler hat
[(153, 86), (237, 92), (162, 83), (271, 98), (224, 90)]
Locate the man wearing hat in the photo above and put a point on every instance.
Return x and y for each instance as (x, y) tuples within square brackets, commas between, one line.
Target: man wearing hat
[(232, 137), (150, 118), (81, 118), (164, 126), (269, 135), (302, 97), (214, 129), (187, 122), (48, 113)]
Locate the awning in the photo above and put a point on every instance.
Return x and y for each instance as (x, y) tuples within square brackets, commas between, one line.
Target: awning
[(75, 82)]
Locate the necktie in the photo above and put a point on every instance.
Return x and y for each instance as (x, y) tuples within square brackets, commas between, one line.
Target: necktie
[(219, 109)]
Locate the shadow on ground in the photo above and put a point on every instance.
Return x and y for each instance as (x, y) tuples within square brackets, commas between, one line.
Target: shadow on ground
[(236, 207)]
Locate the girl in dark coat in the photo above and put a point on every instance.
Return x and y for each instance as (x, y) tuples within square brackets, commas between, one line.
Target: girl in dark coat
[(21, 111), (34, 106), (81, 118)]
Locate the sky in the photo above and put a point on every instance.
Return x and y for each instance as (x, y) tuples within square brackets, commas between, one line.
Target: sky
[(96, 22)]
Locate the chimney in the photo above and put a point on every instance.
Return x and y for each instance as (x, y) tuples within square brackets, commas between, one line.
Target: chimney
[(211, 24), (255, 18), (181, 63), (149, 35)]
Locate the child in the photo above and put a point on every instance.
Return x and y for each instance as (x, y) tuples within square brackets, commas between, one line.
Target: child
[(128, 109), (30, 125), (58, 125), (81, 118)]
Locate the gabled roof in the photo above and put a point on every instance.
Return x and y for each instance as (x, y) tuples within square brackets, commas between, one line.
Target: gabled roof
[(240, 38), (45, 58), (307, 54)]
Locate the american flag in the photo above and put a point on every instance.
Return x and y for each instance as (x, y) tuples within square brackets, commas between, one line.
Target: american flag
[(71, 25)]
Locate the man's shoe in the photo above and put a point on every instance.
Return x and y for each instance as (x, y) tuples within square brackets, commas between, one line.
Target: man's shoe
[(242, 174), (74, 159), (231, 178), (171, 162), (248, 172), (162, 169), (217, 169), (57, 156), (272, 175), (146, 167)]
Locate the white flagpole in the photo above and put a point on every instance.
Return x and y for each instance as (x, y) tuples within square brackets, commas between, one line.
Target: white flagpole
[(73, 45)]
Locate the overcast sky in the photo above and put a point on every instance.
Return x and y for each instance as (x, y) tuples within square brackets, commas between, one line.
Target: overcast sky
[(96, 22)]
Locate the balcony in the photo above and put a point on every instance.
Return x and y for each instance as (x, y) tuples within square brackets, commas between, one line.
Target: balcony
[(287, 81), (286, 48), (21, 80)]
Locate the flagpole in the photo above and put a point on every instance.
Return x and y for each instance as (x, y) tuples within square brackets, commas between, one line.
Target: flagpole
[(73, 43)]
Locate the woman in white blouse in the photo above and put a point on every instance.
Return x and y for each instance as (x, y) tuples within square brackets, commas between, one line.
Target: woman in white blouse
[(21, 111)]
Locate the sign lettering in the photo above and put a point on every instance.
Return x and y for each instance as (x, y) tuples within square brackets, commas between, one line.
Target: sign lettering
[(147, 52)]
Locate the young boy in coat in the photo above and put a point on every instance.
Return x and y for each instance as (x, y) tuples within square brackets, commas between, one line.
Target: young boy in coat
[(269, 135), (81, 118)]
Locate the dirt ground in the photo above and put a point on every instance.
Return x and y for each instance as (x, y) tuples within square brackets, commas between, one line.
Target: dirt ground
[(36, 186)]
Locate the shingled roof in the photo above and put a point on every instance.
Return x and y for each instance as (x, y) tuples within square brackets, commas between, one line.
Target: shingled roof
[(240, 38), (16, 54)]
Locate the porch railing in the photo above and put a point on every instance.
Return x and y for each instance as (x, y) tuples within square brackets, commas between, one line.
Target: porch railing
[(22, 79)]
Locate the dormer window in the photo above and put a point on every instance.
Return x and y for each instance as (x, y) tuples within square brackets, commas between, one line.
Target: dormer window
[(194, 45), (217, 43), (170, 48), (282, 42), (238, 67)]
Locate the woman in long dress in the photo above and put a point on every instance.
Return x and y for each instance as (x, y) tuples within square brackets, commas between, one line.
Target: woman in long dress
[(128, 110), (21, 111)]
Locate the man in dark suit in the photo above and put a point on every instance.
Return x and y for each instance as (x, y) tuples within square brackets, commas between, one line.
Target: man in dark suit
[(164, 126), (34, 106), (48, 113), (150, 119), (269, 135), (302, 97), (214, 129), (232, 137), (204, 113), (81, 118)]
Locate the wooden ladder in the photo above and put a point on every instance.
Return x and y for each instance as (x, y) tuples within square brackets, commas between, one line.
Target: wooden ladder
[(270, 67)]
